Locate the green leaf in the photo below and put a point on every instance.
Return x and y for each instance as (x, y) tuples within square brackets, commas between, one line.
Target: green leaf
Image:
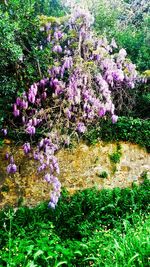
[(61, 263), (78, 252), (38, 253)]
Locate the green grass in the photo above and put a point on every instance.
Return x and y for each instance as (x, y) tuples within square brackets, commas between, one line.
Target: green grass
[(90, 228)]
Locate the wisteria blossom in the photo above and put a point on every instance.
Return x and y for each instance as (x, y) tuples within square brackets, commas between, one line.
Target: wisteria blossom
[(78, 92)]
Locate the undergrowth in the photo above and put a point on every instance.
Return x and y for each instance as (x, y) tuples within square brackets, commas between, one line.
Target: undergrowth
[(90, 228)]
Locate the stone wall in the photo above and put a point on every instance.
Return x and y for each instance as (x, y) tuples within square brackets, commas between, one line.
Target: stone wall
[(81, 167)]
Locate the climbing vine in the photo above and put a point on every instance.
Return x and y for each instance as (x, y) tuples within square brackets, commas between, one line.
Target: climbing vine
[(76, 93)]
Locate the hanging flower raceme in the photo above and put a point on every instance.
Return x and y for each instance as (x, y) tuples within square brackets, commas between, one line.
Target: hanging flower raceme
[(78, 92)]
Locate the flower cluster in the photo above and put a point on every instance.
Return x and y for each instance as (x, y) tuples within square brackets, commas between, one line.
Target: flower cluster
[(77, 92)]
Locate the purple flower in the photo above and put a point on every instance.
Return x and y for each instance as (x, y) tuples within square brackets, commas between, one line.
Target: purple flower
[(102, 112), (34, 121), (30, 130), (47, 177), (81, 127), (38, 101), (18, 101), (11, 159), (48, 38), (11, 168), (23, 119), (57, 49), (56, 70), (68, 113), (4, 131), (44, 95), (24, 104), (68, 62), (42, 167), (43, 83), (7, 155), (114, 118), (122, 54), (26, 148), (31, 97), (36, 156), (51, 205), (58, 35), (16, 112), (118, 75), (48, 26), (41, 143)]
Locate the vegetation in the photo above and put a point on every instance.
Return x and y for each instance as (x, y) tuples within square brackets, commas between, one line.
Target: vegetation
[(129, 24), (125, 129), (85, 229), (22, 61), (66, 72)]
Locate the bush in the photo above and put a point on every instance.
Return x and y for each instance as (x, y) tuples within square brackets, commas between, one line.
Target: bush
[(84, 229), (125, 129), (131, 32), (22, 61)]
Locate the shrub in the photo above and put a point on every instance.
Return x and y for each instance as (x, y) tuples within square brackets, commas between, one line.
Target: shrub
[(22, 61), (83, 76), (125, 129), (87, 227)]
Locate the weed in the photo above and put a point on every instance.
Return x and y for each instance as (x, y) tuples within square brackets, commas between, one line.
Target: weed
[(103, 174)]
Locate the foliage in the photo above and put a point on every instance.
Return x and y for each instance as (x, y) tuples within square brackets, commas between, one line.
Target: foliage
[(103, 174), (85, 229), (142, 100), (85, 73), (128, 23), (125, 129), (115, 156), (49, 8), (107, 13), (22, 61), (136, 41)]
